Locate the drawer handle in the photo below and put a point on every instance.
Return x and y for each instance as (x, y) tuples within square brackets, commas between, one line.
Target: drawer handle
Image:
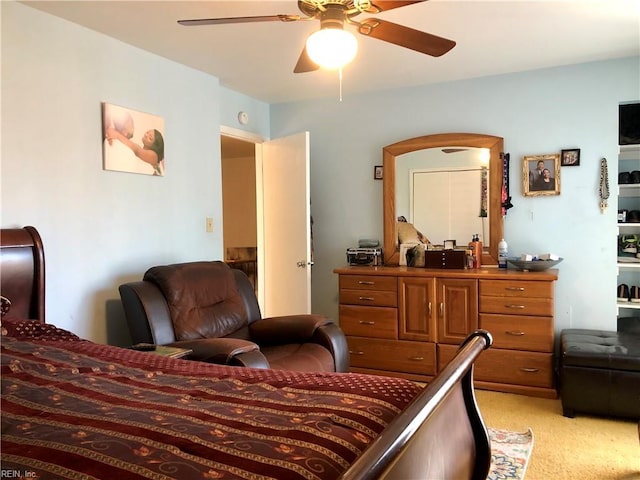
[(369, 299), (514, 333), (416, 359), (530, 370), (514, 289), (515, 306), (364, 322), (363, 282), (355, 353)]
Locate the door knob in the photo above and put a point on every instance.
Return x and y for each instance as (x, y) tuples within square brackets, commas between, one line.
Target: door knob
[(303, 264)]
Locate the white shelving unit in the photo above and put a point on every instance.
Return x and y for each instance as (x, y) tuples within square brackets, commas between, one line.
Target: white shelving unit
[(629, 199)]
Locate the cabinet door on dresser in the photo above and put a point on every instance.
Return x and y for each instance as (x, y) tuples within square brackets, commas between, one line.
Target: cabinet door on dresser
[(416, 308), (457, 300)]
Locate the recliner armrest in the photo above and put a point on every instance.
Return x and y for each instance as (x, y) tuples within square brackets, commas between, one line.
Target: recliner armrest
[(143, 301), (286, 329), (310, 328), (332, 337), (224, 351)]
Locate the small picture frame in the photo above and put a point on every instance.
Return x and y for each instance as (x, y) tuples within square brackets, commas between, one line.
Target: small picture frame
[(541, 175), (378, 172), (570, 157)]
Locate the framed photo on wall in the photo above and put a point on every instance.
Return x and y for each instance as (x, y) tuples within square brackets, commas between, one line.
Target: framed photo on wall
[(132, 141), (378, 172), (541, 175), (570, 157)]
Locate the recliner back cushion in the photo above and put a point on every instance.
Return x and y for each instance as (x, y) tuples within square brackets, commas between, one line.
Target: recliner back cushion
[(203, 298)]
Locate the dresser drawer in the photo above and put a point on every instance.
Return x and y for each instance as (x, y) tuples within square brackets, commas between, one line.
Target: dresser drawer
[(516, 305), (519, 368), (519, 332), (513, 367), (375, 322), (378, 298), (516, 288), (393, 355), (368, 282)]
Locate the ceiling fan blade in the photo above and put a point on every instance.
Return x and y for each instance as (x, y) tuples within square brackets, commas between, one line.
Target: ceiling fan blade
[(405, 37), (305, 64), (454, 150), (384, 5), (220, 21)]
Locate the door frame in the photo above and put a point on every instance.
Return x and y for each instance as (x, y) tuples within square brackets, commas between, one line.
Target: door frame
[(257, 140)]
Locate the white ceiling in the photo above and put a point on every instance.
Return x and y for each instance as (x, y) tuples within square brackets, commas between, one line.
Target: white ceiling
[(257, 59)]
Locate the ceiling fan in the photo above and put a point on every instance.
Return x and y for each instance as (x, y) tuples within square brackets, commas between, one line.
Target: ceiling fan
[(333, 14)]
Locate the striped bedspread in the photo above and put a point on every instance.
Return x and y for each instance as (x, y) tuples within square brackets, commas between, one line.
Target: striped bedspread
[(74, 409)]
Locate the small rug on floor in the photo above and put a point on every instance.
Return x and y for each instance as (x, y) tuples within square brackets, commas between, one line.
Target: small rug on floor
[(510, 452)]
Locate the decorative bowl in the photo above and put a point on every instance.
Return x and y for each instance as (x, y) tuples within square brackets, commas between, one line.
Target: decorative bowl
[(533, 265)]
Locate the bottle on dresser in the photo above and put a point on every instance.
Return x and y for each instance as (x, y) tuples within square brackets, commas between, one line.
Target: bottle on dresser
[(502, 253), (475, 245)]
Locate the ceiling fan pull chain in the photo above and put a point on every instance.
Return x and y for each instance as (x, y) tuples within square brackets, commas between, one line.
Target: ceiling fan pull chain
[(340, 79)]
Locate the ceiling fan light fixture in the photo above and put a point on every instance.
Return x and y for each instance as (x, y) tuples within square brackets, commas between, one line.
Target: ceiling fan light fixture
[(332, 47)]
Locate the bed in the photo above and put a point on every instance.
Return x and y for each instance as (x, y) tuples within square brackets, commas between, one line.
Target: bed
[(75, 409)]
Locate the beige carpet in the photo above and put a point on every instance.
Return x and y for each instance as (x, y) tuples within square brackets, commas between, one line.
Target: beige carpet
[(582, 448)]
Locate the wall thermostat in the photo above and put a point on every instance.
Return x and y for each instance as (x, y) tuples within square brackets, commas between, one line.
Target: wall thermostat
[(243, 118)]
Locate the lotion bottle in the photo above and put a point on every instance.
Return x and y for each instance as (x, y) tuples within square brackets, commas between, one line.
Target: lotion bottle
[(502, 254)]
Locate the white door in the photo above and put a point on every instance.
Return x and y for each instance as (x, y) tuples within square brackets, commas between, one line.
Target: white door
[(285, 259)]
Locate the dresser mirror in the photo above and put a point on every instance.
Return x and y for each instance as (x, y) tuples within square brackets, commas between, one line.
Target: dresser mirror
[(453, 172)]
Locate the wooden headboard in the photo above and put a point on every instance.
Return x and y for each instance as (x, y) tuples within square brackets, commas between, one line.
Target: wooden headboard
[(22, 272)]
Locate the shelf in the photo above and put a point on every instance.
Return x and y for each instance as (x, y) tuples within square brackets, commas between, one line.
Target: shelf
[(628, 152), (629, 196), (629, 265), (628, 227), (629, 190), (628, 305)]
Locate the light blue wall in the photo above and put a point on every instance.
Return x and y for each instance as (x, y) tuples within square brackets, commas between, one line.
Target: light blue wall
[(537, 112), (232, 103), (101, 229), (104, 228)]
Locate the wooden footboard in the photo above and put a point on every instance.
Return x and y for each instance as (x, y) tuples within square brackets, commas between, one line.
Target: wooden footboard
[(440, 435)]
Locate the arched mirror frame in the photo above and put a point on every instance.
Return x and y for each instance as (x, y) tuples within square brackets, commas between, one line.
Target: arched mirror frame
[(390, 155)]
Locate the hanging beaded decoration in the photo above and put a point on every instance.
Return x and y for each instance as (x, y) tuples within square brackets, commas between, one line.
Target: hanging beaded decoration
[(604, 185), (483, 192), (506, 198)]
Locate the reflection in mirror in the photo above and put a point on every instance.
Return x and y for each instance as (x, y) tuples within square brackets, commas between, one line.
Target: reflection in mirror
[(434, 180), (444, 193)]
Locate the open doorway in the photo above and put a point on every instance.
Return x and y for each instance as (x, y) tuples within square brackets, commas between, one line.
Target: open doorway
[(266, 209), (239, 206)]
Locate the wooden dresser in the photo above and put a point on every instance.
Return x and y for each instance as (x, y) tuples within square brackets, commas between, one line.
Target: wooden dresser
[(408, 322)]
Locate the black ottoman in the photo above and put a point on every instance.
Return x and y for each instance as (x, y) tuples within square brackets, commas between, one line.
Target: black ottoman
[(600, 373)]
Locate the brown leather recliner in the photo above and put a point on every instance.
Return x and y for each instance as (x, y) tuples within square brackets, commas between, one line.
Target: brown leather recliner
[(212, 309)]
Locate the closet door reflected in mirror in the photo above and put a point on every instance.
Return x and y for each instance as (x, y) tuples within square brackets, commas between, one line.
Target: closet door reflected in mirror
[(449, 204)]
